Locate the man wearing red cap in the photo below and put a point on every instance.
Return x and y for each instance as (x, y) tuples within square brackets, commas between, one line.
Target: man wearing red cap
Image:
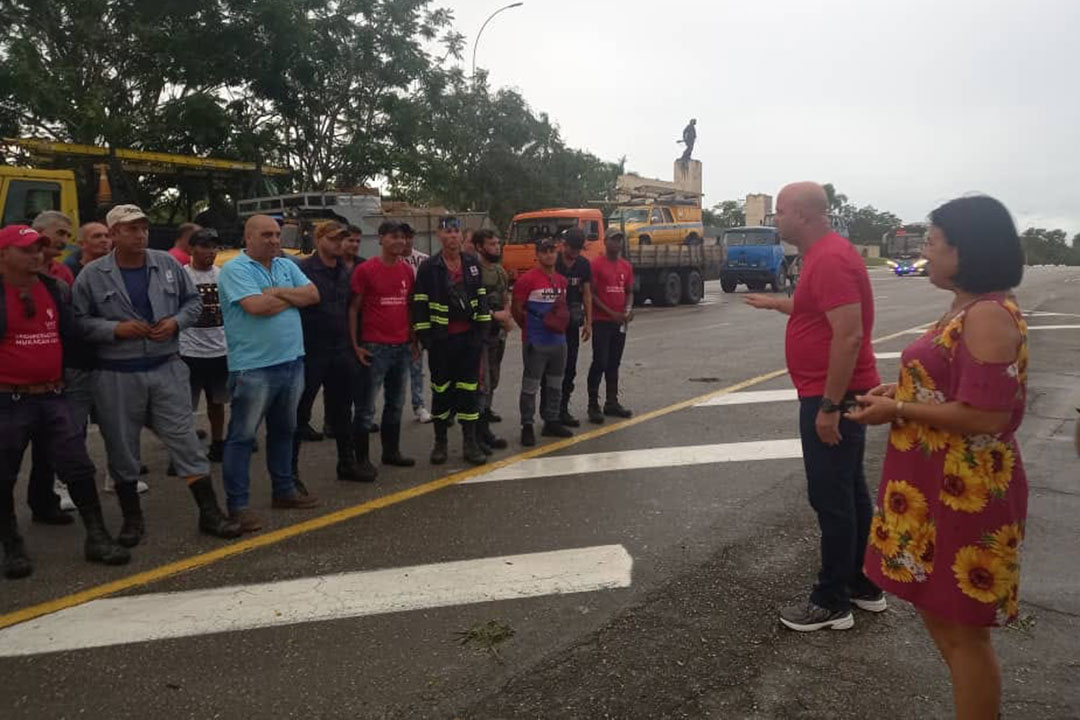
[(35, 319)]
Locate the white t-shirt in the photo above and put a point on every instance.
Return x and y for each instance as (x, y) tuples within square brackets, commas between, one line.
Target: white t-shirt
[(206, 338), (415, 259)]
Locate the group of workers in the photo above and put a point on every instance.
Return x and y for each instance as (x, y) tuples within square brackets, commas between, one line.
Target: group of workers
[(134, 338)]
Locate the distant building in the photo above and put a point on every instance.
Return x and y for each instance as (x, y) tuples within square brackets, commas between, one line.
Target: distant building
[(758, 207)]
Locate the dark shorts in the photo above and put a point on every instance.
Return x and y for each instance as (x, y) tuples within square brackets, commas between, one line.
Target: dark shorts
[(209, 376)]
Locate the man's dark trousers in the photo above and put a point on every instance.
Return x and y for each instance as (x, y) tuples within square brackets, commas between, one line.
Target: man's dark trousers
[(573, 343), (608, 343), (837, 488), (333, 372)]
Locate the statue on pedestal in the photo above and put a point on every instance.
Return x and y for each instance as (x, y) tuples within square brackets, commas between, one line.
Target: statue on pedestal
[(689, 137)]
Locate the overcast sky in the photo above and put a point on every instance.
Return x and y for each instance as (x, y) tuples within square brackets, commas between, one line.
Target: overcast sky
[(901, 105)]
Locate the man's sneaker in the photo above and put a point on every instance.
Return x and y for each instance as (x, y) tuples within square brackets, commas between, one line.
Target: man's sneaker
[(422, 415), (554, 429), (110, 486), (248, 521), (65, 497), (569, 420), (528, 437), (596, 416), (870, 602), (309, 434), (808, 617), (294, 501), (616, 410)]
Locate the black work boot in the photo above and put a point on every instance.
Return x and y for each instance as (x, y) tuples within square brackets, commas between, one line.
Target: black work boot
[(346, 456), (133, 529), (555, 429), (17, 563), (391, 447), (211, 520), (365, 471), (565, 418), (470, 449), (612, 408), (596, 415), (100, 547), (440, 452), (489, 438)]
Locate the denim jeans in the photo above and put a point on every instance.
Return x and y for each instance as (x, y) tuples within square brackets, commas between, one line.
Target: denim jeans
[(272, 393), (836, 484), (416, 381), (389, 370)]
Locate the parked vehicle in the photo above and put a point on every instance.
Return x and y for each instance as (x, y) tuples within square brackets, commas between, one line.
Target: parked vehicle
[(670, 220), (519, 250), (673, 274), (910, 265), (756, 257)]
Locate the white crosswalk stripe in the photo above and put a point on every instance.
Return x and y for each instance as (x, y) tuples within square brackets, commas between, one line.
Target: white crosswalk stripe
[(161, 616), (548, 467), (752, 397)]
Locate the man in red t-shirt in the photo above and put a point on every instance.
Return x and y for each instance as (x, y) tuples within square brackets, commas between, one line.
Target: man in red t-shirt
[(35, 317), (181, 249), (830, 359), (56, 234), (383, 345), (613, 309)]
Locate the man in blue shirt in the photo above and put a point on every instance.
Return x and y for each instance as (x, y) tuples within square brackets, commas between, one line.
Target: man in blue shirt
[(261, 294)]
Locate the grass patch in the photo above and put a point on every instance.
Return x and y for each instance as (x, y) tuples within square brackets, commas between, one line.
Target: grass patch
[(486, 637)]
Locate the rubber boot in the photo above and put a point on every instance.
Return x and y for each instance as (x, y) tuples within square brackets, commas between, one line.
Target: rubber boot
[(211, 520), (133, 530), (100, 547), (300, 487), (346, 456), (391, 447), (489, 438), (440, 452), (470, 447), (17, 563), (365, 471)]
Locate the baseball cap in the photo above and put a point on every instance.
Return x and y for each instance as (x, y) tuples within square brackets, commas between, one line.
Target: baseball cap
[(449, 222), (207, 237), (574, 237), (615, 232), (327, 228), (18, 236), (124, 214)]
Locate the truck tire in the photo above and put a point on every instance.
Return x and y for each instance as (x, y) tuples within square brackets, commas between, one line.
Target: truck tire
[(669, 291), (693, 288), (728, 284), (693, 239), (780, 281), (644, 240)]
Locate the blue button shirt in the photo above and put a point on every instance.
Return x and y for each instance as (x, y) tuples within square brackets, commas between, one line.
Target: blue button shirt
[(259, 341)]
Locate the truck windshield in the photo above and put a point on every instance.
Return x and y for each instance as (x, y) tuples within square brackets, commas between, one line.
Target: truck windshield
[(628, 215), (765, 236), (526, 231)]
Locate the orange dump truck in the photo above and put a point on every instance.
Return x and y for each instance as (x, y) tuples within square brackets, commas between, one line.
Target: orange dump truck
[(519, 251)]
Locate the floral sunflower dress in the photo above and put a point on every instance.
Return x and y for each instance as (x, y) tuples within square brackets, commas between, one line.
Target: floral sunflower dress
[(949, 519)]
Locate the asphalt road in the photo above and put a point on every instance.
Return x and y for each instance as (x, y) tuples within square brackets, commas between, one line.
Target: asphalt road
[(699, 544)]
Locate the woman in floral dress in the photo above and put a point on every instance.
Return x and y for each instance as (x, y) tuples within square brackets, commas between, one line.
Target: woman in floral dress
[(949, 519)]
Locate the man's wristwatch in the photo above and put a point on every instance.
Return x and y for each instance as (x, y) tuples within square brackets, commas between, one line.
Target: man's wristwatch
[(828, 406)]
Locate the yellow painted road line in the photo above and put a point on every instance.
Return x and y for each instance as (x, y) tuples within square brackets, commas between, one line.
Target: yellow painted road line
[(339, 516)]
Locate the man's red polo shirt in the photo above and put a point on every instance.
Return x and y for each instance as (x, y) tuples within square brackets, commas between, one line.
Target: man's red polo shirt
[(833, 274), (30, 351)]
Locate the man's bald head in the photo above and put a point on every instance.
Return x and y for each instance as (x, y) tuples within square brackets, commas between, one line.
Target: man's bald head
[(802, 213), (262, 238)]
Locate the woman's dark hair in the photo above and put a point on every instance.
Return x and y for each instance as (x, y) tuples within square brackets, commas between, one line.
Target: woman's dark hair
[(990, 258), (480, 236)]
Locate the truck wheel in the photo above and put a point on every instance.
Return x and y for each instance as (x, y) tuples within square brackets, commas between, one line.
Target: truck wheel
[(669, 291), (728, 284), (644, 240), (693, 239), (780, 281), (693, 288)]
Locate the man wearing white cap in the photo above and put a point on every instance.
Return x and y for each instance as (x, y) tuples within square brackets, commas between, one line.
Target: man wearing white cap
[(132, 304)]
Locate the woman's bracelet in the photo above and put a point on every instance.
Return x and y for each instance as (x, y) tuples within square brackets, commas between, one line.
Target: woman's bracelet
[(900, 408)]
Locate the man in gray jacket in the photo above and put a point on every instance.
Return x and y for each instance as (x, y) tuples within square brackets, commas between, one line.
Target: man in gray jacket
[(132, 304)]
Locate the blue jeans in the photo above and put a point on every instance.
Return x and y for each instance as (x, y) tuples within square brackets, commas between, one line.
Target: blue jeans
[(416, 381), (389, 370), (272, 393)]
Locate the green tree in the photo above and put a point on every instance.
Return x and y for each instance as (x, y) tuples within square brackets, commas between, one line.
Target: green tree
[(729, 213), (1048, 247), (837, 201), (867, 225)]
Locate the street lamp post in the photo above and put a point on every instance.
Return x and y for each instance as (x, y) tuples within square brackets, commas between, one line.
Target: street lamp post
[(477, 40)]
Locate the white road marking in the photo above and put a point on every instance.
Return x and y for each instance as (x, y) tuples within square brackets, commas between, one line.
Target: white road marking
[(1040, 313), (751, 398), (887, 355), (160, 616), (1053, 327), (547, 467)]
